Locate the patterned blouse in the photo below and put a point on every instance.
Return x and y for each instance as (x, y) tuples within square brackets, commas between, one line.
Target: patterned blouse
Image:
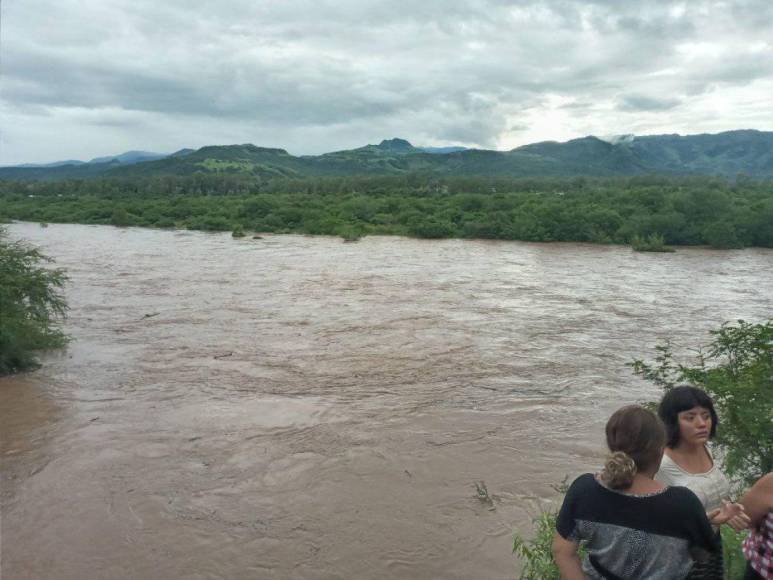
[(711, 487), (654, 536), (758, 548)]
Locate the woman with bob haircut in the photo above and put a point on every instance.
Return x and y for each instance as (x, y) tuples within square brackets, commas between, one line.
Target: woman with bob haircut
[(632, 526), (691, 421)]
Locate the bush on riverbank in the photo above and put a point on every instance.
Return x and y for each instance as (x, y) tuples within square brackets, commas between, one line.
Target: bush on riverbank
[(31, 305), (652, 243), (536, 554), (736, 369), (678, 210)]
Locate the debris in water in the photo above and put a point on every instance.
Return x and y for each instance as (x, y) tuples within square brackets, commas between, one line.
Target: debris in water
[(483, 494)]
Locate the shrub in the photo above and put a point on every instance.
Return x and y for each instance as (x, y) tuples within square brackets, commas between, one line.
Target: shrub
[(120, 217), (31, 305), (736, 369), (536, 554), (350, 233), (652, 243), (431, 229), (722, 235)]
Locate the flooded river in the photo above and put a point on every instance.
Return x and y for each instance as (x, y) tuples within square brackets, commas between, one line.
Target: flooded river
[(303, 408)]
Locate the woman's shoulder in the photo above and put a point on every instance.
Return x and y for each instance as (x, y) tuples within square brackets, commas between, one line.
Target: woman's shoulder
[(583, 483), (582, 489), (584, 479), (668, 463), (669, 472), (683, 499)]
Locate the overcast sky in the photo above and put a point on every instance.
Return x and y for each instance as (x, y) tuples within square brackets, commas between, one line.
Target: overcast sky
[(83, 78)]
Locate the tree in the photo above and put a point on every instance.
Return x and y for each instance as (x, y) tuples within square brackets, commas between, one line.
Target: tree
[(120, 217), (736, 370), (31, 305)]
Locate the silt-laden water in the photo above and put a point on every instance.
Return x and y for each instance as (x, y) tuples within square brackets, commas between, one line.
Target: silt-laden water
[(299, 407)]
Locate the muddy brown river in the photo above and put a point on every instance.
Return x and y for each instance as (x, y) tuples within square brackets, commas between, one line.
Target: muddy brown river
[(303, 408)]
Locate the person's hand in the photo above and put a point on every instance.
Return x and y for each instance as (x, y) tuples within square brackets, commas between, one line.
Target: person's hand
[(732, 514)]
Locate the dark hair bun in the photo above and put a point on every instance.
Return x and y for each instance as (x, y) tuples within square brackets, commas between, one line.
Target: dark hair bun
[(618, 471)]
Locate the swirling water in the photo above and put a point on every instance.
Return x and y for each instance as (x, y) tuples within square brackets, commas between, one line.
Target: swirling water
[(300, 407)]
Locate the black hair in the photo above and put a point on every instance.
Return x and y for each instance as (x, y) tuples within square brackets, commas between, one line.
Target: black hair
[(683, 398)]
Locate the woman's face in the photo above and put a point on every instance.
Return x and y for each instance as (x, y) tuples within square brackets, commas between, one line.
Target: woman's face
[(694, 426)]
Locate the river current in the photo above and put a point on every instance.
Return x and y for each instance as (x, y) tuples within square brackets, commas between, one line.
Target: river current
[(300, 407)]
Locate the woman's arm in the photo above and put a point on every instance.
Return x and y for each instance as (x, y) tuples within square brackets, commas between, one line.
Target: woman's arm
[(565, 555), (758, 501)]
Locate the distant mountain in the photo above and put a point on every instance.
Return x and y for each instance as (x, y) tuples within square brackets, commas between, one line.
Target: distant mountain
[(729, 154), (443, 150), (130, 157), (74, 168), (54, 164), (220, 159), (182, 152), (396, 146)]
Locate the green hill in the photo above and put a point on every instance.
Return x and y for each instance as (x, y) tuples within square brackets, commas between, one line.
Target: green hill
[(727, 154)]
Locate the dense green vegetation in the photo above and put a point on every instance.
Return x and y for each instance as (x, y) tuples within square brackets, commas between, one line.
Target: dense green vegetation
[(31, 305), (736, 369), (678, 211)]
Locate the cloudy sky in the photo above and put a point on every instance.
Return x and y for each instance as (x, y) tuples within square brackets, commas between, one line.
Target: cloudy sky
[(82, 78)]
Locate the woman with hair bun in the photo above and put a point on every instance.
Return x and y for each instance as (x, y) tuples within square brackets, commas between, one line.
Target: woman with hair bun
[(691, 421), (631, 526)]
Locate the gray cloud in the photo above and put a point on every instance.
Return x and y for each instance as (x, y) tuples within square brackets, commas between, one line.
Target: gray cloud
[(645, 103), (315, 76)]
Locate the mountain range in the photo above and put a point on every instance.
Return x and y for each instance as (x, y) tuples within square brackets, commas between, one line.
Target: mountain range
[(747, 152)]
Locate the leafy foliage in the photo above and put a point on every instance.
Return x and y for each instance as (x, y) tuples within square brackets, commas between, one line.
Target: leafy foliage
[(536, 554), (736, 369), (652, 243), (650, 212), (31, 305), (735, 563)]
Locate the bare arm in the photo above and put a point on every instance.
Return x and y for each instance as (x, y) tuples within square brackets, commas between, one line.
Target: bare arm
[(565, 555), (758, 501)]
